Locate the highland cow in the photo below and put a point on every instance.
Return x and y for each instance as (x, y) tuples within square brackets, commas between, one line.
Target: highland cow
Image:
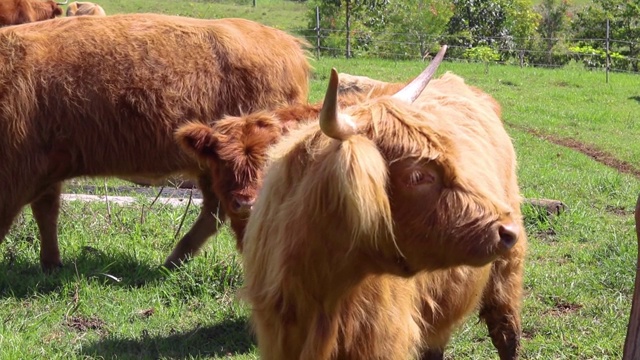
[(16, 12), (378, 230), (77, 8), (107, 101)]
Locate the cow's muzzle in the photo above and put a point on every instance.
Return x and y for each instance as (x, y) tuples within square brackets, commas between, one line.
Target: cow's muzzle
[(242, 206), (508, 233)]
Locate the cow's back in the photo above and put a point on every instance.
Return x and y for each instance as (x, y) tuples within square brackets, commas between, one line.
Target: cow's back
[(126, 81)]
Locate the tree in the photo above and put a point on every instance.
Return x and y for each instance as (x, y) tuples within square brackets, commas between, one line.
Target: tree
[(374, 25), (338, 15), (418, 20), (505, 24), (624, 19), (553, 21)]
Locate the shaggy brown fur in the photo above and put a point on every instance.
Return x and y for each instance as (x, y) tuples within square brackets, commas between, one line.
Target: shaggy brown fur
[(632, 341), (85, 8), (379, 246), (16, 12), (106, 102)]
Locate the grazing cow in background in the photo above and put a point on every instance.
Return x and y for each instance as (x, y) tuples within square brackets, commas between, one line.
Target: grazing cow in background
[(85, 8), (378, 230), (107, 101), (16, 12), (235, 149)]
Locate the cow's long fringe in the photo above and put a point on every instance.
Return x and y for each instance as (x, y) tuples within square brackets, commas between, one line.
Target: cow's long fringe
[(351, 182)]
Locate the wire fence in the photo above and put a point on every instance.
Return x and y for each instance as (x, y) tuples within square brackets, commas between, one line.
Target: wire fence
[(607, 54), (421, 46)]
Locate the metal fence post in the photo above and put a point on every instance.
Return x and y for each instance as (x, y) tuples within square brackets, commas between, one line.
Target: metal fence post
[(318, 32), (608, 59)]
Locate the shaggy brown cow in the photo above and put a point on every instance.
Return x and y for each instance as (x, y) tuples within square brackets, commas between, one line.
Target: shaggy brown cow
[(106, 102), (378, 230), (85, 8), (632, 342), (16, 12)]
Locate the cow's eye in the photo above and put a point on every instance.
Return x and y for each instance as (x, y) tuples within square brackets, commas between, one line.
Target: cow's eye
[(415, 177)]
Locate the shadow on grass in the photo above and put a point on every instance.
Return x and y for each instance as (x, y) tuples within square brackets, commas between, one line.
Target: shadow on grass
[(230, 337), (636, 98), (21, 277)]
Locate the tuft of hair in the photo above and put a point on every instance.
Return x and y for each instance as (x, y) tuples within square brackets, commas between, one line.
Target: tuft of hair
[(350, 180)]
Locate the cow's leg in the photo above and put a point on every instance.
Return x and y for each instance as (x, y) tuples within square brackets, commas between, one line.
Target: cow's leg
[(211, 217), (502, 302), (46, 208), (7, 215)]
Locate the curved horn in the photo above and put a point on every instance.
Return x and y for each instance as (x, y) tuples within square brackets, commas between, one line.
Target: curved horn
[(62, 3), (411, 92), (332, 124)]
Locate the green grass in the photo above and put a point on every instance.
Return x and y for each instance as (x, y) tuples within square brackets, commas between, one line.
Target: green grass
[(283, 14), (112, 300)]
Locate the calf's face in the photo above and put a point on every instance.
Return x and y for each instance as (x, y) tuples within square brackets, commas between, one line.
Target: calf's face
[(234, 151)]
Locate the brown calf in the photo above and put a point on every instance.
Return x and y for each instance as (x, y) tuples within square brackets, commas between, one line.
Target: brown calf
[(106, 102)]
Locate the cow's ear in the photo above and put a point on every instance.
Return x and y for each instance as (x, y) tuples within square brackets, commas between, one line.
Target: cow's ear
[(198, 140)]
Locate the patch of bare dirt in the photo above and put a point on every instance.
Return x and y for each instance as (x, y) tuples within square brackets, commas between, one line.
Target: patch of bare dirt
[(528, 334), (563, 308), (547, 235), (598, 155), (618, 210), (84, 324)]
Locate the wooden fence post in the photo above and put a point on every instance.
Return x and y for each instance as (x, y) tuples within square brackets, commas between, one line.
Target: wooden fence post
[(632, 343)]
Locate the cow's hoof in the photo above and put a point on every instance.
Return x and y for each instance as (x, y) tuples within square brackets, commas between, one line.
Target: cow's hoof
[(49, 267), (172, 264)]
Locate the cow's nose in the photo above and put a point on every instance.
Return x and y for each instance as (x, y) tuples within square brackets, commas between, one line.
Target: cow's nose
[(242, 205), (508, 233)]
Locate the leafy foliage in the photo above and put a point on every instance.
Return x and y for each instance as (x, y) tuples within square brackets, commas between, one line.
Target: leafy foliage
[(624, 19), (596, 58), (408, 28), (503, 23)]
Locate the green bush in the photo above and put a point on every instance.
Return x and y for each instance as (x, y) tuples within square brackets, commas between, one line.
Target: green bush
[(593, 58)]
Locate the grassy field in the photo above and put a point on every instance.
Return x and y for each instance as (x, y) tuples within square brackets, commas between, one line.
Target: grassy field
[(283, 14), (112, 300)]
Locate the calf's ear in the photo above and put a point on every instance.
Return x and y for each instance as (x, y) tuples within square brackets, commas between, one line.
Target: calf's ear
[(198, 140)]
